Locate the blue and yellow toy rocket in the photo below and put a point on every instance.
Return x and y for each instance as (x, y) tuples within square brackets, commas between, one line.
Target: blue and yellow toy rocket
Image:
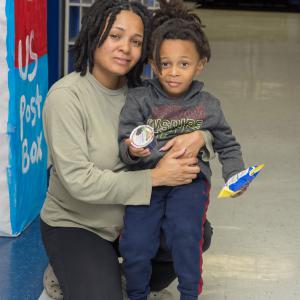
[(240, 180)]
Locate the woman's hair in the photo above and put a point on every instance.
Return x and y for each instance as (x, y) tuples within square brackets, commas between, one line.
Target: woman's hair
[(95, 29), (173, 21)]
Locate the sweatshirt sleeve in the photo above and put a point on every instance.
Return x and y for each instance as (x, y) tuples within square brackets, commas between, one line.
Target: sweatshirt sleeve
[(207, 153), (131, 116), (225, 144), (65, 131)]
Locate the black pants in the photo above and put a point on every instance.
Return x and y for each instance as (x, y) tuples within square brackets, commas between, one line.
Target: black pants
[(87, 266)]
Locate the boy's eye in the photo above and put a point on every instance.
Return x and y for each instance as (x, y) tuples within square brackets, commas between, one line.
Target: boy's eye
[(165, 64), (185, 64)]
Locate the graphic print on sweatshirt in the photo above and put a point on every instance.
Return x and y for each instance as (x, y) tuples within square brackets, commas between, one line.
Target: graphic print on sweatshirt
[(171, 120)]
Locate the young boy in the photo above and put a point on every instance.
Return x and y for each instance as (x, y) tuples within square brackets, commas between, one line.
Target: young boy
[(173, 104)]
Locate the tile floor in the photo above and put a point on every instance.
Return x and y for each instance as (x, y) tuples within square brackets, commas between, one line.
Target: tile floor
[(255, 72), (22, 263)]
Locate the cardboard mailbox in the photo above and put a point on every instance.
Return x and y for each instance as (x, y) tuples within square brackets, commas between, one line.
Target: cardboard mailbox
[(23, 88)]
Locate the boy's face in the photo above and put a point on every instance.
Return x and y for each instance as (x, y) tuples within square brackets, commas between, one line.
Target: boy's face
[(180, 63)]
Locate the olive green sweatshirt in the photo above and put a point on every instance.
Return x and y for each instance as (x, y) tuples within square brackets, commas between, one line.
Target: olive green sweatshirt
[(88, 184)]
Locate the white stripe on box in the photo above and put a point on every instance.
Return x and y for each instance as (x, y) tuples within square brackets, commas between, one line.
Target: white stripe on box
[(5, 224)]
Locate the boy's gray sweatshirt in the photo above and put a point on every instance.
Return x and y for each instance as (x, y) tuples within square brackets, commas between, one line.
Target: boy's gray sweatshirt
[(195, 110)]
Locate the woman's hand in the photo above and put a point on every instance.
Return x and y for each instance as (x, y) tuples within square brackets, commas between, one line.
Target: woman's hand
[(192, 142), (174, 170)]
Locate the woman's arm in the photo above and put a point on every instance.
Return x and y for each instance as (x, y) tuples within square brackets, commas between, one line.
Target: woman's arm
[(172, 171), (65, 129)]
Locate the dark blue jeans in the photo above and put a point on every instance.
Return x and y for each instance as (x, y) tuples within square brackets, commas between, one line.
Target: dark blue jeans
[(181, 213)]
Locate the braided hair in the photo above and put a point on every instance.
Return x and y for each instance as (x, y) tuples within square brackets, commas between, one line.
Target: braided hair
[(173, 21), (95, 29)]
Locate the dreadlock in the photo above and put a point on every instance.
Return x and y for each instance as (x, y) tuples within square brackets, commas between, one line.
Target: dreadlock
[(174, 21), (94, 32)]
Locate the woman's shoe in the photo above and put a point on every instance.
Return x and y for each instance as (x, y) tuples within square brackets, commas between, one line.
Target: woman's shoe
[(51, 284)]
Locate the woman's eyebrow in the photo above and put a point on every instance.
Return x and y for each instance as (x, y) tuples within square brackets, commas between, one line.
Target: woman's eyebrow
[(122, 29), (117, 27)]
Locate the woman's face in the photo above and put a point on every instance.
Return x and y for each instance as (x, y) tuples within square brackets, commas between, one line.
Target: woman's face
[(121, 50)]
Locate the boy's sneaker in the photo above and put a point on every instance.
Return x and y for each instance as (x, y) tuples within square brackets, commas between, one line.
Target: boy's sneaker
[(169, 293), (165, 294)]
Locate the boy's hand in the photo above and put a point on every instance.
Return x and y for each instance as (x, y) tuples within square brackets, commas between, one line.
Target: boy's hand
[(136, 152)]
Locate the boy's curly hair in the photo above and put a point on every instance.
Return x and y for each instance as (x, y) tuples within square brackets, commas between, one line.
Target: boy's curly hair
[(174, 21)]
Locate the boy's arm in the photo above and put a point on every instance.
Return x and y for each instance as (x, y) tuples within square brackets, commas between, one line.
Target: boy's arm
[(227, 147), (131, 116)]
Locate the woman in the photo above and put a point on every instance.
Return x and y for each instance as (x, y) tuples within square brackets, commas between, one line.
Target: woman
[(83, 213)]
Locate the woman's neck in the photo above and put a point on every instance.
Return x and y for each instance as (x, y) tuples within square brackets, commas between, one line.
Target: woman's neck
[(112, 82)]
